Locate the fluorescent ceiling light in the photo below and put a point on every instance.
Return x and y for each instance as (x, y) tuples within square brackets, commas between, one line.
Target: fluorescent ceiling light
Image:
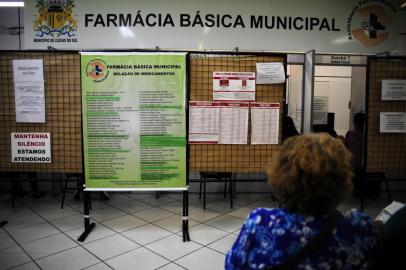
[(11, 4)]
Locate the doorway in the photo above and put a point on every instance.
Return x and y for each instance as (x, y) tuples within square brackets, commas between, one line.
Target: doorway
[(339, 91)]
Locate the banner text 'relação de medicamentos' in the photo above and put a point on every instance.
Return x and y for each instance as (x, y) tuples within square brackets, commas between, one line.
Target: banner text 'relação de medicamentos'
[(134, 130)]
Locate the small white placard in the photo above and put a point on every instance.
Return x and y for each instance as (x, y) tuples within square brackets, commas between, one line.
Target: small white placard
[(270, 73), (320, 110), (31, 147), (392, 122), (28, 70), (393, 89), (341, 59)]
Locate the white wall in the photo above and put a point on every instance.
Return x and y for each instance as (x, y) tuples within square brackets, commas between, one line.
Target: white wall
[(295, 88), (357, 92), (338, 79), (402, 32)]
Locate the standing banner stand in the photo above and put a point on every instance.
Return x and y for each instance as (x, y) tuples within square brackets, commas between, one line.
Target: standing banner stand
[(134, 125), (185, 217)]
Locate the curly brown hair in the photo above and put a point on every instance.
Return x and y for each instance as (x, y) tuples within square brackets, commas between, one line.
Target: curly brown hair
[(311, 174)]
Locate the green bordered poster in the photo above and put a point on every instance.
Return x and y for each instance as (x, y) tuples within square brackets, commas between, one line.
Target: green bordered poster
[(134, 120)]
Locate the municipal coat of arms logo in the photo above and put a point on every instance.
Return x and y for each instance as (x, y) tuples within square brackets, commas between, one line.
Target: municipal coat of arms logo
[(55, 18)]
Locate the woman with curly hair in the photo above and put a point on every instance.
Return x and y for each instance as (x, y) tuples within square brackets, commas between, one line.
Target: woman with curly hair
[(310, 177)]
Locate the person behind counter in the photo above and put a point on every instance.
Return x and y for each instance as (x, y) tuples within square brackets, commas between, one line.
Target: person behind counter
[(354, 141), (289, 128)]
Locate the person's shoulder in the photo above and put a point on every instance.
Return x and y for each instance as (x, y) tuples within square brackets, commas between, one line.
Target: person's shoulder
[(356, 215), (262, 216), (359, 219), (266, 211)]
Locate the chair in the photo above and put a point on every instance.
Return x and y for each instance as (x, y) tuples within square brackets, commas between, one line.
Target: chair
[(16, 178), (368, 186), (225, 177), (15, 182), (78, 179)]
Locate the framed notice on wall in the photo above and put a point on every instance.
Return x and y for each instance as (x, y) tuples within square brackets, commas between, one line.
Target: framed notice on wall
[(392, 122), (134, 120), (393, 89)]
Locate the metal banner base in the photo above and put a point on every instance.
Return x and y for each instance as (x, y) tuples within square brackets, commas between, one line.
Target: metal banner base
[(86, 209), (90, 225), (87, 231)]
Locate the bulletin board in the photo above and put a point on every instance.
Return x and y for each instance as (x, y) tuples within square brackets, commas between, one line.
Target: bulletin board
[(63, 112), (385, 152), (238, 158)]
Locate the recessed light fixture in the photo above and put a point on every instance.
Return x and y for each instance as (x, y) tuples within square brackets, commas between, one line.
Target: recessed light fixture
[(11, 4)]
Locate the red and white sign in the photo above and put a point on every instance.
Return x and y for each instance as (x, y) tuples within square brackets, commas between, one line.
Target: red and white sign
[(203, 122), (234, 86), (31, 147)]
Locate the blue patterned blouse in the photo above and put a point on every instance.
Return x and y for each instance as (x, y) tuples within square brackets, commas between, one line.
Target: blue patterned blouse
[(269, 236)]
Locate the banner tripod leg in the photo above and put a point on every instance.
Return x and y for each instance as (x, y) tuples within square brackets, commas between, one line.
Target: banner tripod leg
[(185, 218), (88, 225)]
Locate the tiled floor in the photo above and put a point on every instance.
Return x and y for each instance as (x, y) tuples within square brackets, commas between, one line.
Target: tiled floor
[(133, 231)]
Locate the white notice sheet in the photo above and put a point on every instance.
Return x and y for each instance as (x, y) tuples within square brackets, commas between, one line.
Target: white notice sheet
[(270, 73), (320, 110), (28, 70), (392, 122), (264, 123), (29, 102), (234, 86), (233, 123), (203, 122), (29, 90), (393, 89)]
